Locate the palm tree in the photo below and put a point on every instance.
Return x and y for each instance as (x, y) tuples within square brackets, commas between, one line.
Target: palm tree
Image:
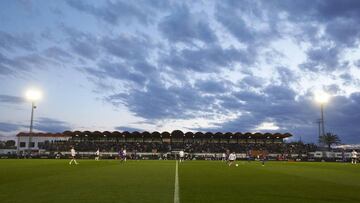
[(329, 139)]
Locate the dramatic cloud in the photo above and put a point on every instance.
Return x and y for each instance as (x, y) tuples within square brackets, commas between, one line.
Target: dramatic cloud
[(208, 65), (117, 71), (183, 26), (212, 86), (247, 21), (83, 44), (58, 54), (324, 58), (159, 102), (23, 63), (51, 125), (11, 99), (5, 65), (10, 42), (209, 59), (127, 47), (114, 12), (9, 127), (341, 116)]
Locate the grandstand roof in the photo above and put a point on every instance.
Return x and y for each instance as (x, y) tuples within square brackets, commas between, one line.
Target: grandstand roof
[(41, 134), (175, 134)]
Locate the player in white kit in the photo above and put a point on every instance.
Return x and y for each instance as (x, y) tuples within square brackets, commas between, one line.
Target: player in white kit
[(353, 157), (73, 154), (97, 155), (223, 157), (232, 158), (181, 155), (124, 155)]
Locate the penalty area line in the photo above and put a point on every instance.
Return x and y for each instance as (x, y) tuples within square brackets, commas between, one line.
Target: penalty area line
[(176, 190)]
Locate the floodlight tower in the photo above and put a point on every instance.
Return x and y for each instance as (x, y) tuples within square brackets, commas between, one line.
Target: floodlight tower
[(32, 95), (322, 98), (318, 121)]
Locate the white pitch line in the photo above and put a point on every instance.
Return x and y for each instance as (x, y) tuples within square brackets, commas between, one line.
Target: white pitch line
[(176, 191)]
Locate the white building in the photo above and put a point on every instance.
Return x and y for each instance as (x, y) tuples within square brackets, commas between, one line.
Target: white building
[(23, 139)]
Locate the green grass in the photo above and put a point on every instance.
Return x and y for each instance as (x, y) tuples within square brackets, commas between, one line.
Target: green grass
[(199, 181)]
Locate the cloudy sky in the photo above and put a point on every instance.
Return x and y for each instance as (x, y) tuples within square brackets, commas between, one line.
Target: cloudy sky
[(224, 66)]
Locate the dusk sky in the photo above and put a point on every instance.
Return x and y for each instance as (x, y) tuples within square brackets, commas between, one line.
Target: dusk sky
[(156, 65)]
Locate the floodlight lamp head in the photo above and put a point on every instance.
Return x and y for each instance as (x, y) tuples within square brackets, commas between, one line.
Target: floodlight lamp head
[(322, 97), (33, 95)]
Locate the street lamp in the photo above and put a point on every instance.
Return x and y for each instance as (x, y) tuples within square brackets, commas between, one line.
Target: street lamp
[(32, 95), (322, 98)]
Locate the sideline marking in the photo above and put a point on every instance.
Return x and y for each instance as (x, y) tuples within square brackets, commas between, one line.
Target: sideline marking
[(176, 191)]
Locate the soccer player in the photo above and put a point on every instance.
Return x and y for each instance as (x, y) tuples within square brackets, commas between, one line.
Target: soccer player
[(121, 156), (232, 158), (97, 154), (124, 155), (73, 154), (223, 157), (263, 158), (248, 155), (181, 155), (353, 157), (58, 155)]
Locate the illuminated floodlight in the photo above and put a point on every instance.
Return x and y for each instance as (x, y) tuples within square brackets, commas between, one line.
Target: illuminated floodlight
[(33, 95), (322, 97)]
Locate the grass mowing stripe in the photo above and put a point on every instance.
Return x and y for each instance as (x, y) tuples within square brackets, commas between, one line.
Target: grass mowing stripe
[(176, 190), (326, 172), (89, 182), (276, 182)]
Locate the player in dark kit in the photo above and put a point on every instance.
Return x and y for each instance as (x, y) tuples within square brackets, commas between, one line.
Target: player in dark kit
[(263, 158), (248, 155), (122, 155)]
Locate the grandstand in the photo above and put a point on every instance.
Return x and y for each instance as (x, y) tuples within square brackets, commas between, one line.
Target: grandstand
[(156, 145), (154, 142), (175, 138)]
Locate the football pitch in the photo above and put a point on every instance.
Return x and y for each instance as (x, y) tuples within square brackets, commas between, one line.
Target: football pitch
[(107, 181)]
